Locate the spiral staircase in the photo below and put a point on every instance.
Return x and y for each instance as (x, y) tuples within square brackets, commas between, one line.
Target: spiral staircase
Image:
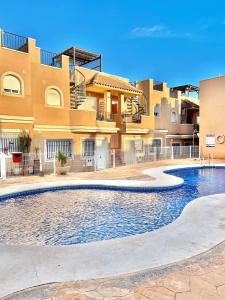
[(136, 106), (77, 88)]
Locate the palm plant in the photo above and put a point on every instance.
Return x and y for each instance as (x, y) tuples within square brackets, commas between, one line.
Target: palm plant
[(62, 158), (24, 147), (24, 141)]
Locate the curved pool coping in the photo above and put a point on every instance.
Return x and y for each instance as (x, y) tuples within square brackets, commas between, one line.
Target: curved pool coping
[(161, 181), (190, 234)]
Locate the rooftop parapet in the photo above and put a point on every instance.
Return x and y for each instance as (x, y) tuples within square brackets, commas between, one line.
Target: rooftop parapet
[(13, 41)]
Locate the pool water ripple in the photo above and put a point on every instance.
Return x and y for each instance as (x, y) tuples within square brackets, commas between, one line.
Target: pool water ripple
[(80, 216)]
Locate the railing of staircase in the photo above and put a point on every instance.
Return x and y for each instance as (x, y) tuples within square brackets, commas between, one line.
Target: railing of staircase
[(131, 118), (105, 116), (51, 59), (14, 41)]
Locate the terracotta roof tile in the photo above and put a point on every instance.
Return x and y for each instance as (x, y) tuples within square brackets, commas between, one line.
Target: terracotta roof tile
[(112, 82)]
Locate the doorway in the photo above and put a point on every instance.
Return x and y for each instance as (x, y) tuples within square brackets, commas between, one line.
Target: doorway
[(101, 153)]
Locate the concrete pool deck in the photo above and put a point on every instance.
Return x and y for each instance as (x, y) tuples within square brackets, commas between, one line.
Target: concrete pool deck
[(191, 234)]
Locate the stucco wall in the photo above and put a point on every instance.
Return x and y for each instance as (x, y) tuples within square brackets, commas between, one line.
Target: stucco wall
[(212, 114)]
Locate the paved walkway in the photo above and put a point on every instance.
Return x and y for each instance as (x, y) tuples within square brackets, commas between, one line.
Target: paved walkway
[(125, 172), (198, 278)]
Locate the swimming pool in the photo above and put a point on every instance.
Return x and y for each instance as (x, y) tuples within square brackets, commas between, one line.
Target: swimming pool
[(80, 216)]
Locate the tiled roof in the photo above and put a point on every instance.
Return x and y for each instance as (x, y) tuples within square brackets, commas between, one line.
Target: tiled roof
[(112, 82)]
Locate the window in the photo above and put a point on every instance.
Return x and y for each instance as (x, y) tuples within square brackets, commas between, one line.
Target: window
[(157, 110), (9, 142), (53, 97), (139, 145), (173, 116), (12, 85), (155, 145), (53, 146), (88, 148)]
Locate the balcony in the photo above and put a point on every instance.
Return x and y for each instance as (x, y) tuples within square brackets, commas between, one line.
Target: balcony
[(158, 85), (14, 41), (87, 121), (81, 120), (106, 122), (51, 59), (189, 128), (142, 126)]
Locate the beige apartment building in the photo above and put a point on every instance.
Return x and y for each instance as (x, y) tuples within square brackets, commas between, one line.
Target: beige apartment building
[(66, 102), (174, 113), (212, 120)]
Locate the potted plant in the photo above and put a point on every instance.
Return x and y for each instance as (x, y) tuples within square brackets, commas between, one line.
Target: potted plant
[(24, 147), (62, 159)]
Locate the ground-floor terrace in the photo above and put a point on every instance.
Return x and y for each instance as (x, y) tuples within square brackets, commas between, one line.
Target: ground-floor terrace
[(199, 277), (90, 149)]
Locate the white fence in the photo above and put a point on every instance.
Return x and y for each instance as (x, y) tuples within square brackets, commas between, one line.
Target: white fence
[(33, 164)]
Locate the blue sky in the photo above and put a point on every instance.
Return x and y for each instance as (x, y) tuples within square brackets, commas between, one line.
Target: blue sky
[(174, 41)]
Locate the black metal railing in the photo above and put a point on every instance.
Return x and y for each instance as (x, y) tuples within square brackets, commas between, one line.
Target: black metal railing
[(14, 41), (173, 94), (131, 118), (51, 59), (158, 85), (196, 127), (105, 116)]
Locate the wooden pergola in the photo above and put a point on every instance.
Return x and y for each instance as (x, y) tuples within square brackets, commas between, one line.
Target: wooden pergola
[(186, 89), (83, 58)]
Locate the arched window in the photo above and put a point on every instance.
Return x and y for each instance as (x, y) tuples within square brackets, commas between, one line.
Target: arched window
[(173, 116), (12, 85), (157, 110), (53, 97)]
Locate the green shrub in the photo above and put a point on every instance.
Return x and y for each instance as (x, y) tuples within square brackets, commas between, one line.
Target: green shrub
[(24, 141), (62, 158)]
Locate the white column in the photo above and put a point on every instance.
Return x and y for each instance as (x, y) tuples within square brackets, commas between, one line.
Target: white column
[(172, 155), (3, 166), (114, 158), (54, 164), (122, 103), (107, 98)]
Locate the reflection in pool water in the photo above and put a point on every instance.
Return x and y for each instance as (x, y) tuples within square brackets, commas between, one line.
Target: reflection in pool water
[(80, 216)]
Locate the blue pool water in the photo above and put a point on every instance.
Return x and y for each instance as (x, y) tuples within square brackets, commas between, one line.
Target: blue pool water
[(80, 216)]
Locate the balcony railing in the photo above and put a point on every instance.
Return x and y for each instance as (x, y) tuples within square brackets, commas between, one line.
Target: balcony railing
[(104, 116), (51, 59), (196, 127), (158, 85), (173, 94), (14, 41), (131, 118)]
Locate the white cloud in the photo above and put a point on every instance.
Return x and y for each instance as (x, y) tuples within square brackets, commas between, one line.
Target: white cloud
[(157, 31)]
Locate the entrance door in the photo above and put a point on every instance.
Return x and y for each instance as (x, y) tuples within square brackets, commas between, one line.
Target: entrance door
[(101, 154), (130, 153), (176, 150)]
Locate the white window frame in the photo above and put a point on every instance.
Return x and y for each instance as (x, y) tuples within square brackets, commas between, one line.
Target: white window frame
[(158, 115), (171, 120), (87, 153), (61, 97), (69, 154), (150, 147), (9, 92), (9, 142)]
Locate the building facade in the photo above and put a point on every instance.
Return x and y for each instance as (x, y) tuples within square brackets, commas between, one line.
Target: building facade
[(67, 103), (212, 125)]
